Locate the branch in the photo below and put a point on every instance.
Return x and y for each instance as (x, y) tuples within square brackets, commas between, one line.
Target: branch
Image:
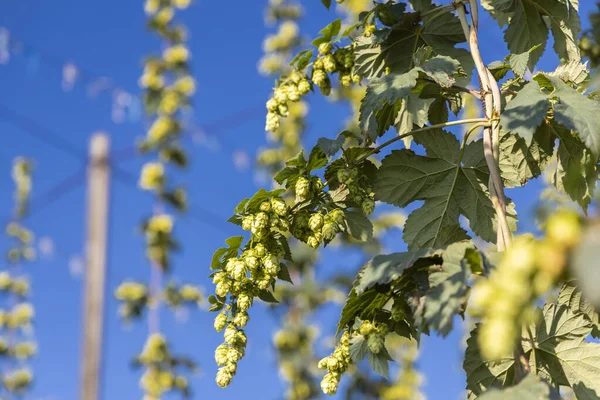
[(375, 150), (489, 90)]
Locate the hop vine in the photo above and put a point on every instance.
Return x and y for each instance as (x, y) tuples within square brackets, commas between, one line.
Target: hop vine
[(17, 344)]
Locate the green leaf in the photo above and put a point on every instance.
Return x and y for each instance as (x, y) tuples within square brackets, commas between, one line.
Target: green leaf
[(326, 3), (393, 48), (576, 112), (317, 159), (451, 182), (519, 62), (364, 306), (358, 348), (519, 162), (530, 388), (383, 269), (332, 29), (331, 147), (267, 296), (224, 253), (284, 274), (576, 171), (447, 288), (562, 354), (302, 59), (570, 296), (289, 174), (358, 225), (499, 69), (573, 72), (394, 93), (379, 363), (262, 195), (524, 113)]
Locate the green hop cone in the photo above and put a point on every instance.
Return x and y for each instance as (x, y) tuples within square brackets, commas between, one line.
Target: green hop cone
[(265, 206), (330, 383), (343, 175), (235, 354), (260, 250), (252, 262), (329, 64), (244, 302), (247, 222), (325, 48), (241, 319), (375, 343), (293, 92), (304, 87), (220, 321), (315, 223), (319, 77), (366, 328), (272, 105), (221, 354), (222, 288), (302, 187), (317, 183), (337, 216), (271, 263), (280, 95), (224, 377), (368, 206), (346, 79), (279, 207), (314, 240), (272, 123), (329, 231)]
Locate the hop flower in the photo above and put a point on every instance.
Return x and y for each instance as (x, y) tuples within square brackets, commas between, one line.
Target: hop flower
[(320, 78), (368, 206), (220, 321), (325, 48), (261, 220), (222, 354), (564, 229), (160, 129), (247, 222), (177, 54), (222, 288), (375, 343), (185, 85), (239, 270), (162, 223), (329, 63), (152, 177), (271, 263), (304, 87), (235, 354), (315, 223), (272, 105), (329, 384), (244, 302), (337, 216), (260, 250), (224, 377), (329, 231), (279, 207), (181, 4), (366, 328), (314, 240), (272, 122), (241, 319), (302, 187)]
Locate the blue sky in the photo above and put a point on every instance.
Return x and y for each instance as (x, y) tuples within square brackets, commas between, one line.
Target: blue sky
[(107, 39)]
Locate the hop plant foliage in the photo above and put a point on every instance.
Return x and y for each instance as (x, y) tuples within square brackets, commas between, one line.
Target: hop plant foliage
[(414, 61), (168, 88), (17, 314)]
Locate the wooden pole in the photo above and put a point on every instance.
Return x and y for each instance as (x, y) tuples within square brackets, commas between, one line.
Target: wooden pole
[(95, 273)]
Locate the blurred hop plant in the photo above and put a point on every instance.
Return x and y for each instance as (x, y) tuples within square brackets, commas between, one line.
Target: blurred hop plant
[(162, 369), (168, 88), (16, 322), (527, 270)]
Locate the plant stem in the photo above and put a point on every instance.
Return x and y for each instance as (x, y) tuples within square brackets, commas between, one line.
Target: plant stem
[(491, 137), (377, 149)]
